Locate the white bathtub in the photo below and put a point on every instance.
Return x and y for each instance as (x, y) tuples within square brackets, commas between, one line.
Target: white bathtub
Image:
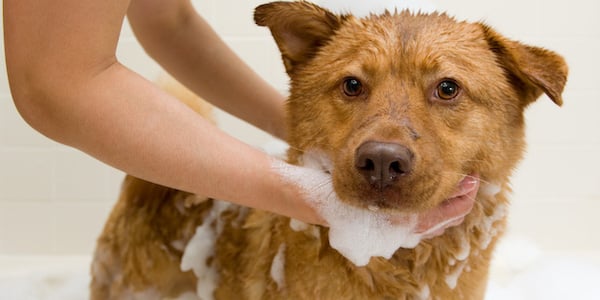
[(521, 270)]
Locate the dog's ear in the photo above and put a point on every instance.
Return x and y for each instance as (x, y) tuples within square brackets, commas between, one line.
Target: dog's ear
[(531, 70), (299, 29)]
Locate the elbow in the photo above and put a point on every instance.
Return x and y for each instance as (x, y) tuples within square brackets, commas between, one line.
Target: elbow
[(25, 94), (34, 101)]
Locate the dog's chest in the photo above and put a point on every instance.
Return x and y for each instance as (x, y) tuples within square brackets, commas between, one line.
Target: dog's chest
[(263, 256)]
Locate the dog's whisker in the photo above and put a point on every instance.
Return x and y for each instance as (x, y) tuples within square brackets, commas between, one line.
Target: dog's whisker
[(467, 175)]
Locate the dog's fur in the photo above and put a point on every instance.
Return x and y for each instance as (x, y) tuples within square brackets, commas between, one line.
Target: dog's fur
[(400, 58)]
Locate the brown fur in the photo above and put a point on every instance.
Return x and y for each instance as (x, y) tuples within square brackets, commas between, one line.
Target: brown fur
[(400, 58)]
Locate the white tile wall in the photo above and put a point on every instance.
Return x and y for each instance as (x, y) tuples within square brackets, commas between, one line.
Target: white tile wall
[(54, 200)]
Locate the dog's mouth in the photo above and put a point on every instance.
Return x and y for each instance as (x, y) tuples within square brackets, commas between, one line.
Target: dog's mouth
[(430, 222)]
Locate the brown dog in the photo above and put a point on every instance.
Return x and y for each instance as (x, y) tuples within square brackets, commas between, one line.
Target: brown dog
[(401, 110)]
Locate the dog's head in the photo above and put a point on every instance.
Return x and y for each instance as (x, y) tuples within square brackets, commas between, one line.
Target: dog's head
[(404, 106)]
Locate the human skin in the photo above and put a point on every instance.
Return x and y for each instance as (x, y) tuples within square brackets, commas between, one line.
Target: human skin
[(67, 83)]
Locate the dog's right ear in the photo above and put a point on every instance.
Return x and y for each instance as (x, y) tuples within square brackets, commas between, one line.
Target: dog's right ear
[(299, 29), (532, 70)]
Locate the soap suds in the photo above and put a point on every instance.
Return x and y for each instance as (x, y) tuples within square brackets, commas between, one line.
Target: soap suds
[(297, 226), (465, 248), (425, 292), (178, 244), (487, 225), (201, 247), (358, 234), (490, 189), (452, 278), (451, 261), (278, 267)]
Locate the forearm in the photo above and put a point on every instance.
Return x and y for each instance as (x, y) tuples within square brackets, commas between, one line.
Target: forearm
[(129, 123), (67, 84), (185, 45), (145, 132)]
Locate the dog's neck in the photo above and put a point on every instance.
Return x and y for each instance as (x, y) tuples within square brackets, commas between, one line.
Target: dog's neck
[(459, 250)]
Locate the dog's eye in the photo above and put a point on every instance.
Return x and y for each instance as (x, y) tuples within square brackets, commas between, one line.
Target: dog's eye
[(447, 90), (352, 87)]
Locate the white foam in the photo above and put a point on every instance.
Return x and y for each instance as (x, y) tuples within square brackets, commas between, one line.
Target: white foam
[(178, 244), (490, 189), (362, 8), (452, 278), (202, 246), (297, 226), (278, 267), (487, 225), (425, 292), (358, 234), (465, 248)]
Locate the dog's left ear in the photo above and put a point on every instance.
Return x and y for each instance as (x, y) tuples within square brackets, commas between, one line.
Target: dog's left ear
[(532, 70), (299, 29)]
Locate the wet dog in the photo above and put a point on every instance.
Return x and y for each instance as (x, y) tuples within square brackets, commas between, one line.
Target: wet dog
[(406, 113)]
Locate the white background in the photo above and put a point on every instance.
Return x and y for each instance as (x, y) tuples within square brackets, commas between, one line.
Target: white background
[(54, 200)]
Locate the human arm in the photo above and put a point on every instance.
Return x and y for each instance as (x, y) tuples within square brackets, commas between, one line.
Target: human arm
[(67, 83), (179, 39)]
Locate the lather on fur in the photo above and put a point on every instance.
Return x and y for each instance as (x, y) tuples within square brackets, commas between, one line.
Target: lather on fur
[(449, 95)]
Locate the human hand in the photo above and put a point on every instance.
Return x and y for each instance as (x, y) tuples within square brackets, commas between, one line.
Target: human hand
[(450, 212), (359, 233)]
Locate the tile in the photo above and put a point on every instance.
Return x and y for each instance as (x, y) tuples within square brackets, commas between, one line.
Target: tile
[(81, 178), (78, 225), (51, 229), (206, 9), (558, 224), (15, 132), (4, 86), (576, 122), (264, 58), (27, 175), (570, 18), (126, 31), (242, 130), (3, 76), (581, 55), (501, 15), (27, 228), (114, 183), (131, 54), (236, 18), (562, 170)]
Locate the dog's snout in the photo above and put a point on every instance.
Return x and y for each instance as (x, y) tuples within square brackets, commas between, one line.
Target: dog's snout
[(382, 163)]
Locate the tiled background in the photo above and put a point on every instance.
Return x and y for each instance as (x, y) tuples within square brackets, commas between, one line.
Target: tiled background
[(54, 200)]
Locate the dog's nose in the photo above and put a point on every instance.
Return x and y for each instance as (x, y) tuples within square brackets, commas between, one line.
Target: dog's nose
[(382, 163)]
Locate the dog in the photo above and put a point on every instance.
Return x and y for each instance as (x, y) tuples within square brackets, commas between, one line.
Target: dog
[(401, 110)]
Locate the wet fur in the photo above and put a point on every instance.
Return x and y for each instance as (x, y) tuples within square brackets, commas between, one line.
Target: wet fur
[(400, 57)]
